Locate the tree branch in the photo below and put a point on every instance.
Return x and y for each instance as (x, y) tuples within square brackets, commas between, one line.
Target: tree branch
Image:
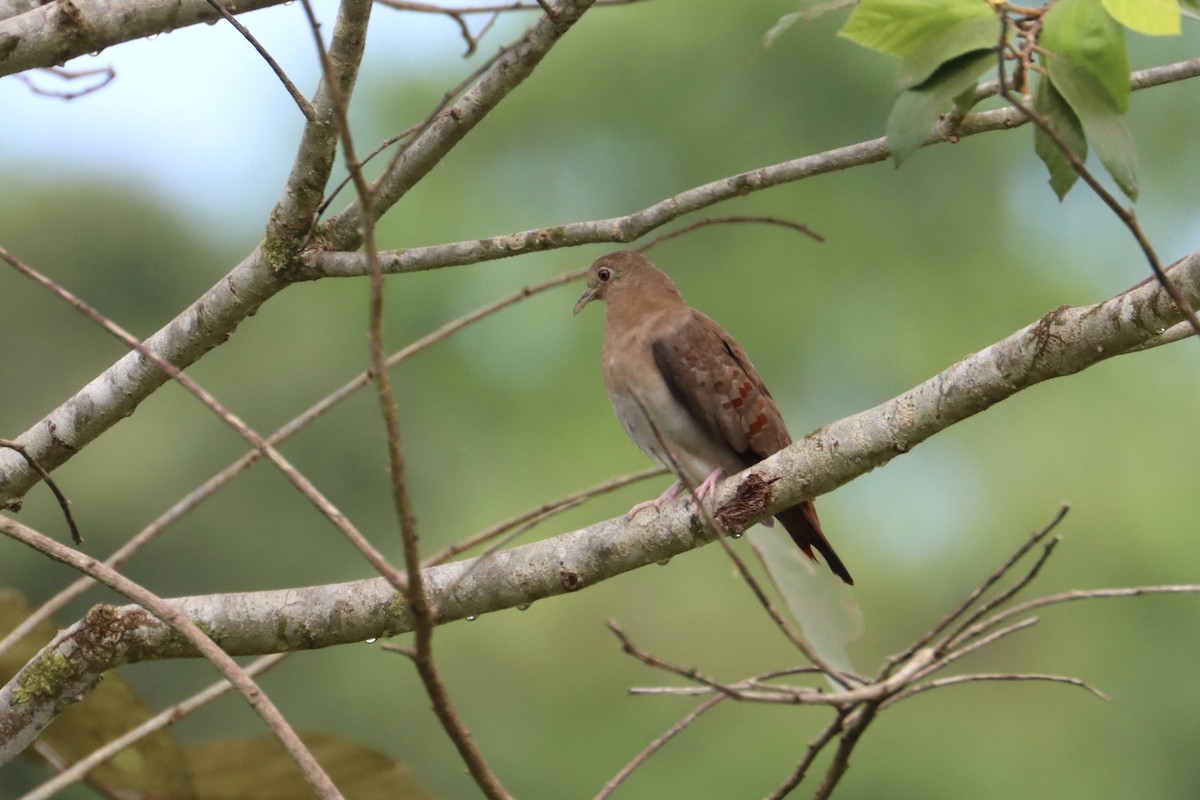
[(629, 227), (51, 34), (1063, 342)]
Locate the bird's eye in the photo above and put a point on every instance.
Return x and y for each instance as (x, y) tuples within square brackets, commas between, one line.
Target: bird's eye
[(604, 274)]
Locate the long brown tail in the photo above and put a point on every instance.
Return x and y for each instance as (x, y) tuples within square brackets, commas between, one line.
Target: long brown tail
[(802, 523)]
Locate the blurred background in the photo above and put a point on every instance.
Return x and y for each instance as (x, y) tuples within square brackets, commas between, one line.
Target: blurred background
[(142, 195)]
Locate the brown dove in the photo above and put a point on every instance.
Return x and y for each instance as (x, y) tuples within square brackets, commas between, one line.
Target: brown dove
[(675, 376)]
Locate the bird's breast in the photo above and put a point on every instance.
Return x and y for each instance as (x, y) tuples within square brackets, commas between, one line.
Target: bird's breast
[(656, 421)]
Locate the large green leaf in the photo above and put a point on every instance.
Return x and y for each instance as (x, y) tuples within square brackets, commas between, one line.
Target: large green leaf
[(1051, 106), (916, 110), (1082, 32), (965, 36), (822, 605), (152, 768), (1151, 17), (1106, 129), (902, 27)]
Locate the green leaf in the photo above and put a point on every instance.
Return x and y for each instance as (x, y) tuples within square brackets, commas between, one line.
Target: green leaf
[(154, 767), (1082, 32), (902, 27), (966, 36), (260, 769), (916, 110), (1051, 106), (1151, 17), (1106, 129), (823, 606)]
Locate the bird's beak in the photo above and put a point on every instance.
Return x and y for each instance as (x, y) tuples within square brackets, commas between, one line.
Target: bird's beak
[(587, 297)]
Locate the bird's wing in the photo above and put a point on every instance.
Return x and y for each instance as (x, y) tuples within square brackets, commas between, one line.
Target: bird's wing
[(711, 376)]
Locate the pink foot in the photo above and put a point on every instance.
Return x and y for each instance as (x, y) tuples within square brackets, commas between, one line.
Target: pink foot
[(670, 494), (708, 486)]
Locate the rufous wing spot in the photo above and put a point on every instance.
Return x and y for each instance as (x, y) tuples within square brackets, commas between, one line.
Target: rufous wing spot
[(759, 423)]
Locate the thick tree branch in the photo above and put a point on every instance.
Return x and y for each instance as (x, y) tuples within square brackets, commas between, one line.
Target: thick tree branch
[(52, 34), (1063, 342)]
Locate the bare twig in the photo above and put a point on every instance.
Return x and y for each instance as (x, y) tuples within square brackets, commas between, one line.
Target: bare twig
[(955, 680), (305, 107), (106, 75), (859, 706), (657, 745), (410, 132), (689, 673), (798, 773), (63, 502), (970, 628), (1091, 594), (725, 220), (855, 724), (537, 515), (414, 589), (979, 591)]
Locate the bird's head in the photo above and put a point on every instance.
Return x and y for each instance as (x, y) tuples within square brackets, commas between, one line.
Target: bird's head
[(625, 274)]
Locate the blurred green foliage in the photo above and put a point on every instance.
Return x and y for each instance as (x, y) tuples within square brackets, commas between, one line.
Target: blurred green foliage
[(920, 266)]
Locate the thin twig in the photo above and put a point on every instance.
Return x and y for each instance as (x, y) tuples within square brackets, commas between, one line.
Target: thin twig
[(409, 133), (954, 680), (728, 219), (540, 514), (814, 748), (107, 75), (1091, 594), (418, 600), (63, 502), (970, 627), (689, 673), (657, 745), (988, 582), (965, 650), (306, 108)]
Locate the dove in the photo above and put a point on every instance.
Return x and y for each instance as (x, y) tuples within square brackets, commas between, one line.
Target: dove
[(675, 376)]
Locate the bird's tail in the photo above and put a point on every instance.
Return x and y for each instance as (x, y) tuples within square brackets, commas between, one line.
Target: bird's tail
[(805, 529)]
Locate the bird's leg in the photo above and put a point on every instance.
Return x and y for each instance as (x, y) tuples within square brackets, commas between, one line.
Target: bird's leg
[(670, 494), (707, 486)]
